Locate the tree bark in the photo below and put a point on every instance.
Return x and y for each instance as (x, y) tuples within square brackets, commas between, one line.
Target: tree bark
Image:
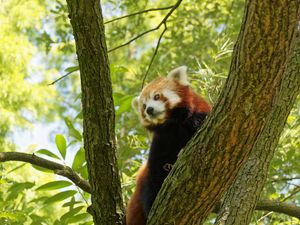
[(240, 201), (280, 207), (98, 111), (211, 160)]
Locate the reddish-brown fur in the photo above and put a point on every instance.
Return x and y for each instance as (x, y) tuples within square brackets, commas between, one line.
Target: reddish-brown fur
[(192, 100), (135, 214)]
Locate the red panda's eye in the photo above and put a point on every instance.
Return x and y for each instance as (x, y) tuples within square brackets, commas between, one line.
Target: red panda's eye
[(144, 106), (156, 97)]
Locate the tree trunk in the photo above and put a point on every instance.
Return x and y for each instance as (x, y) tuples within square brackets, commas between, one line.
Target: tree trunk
[(240, 200), (98, 111), (211, 160)]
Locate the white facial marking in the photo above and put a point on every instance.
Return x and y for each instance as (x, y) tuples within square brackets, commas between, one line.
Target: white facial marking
[(158, 106), (159, 110), (172, 96)]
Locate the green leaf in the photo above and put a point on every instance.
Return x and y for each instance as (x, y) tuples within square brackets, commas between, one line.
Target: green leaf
[(87, 223), (47, 153), (17, 188), (72, 131), (71, 203), (40, 199), (21, 186), (75, 134), (79, 116), (9, 215), (78, 217), (3, 181), (71, 213), (54, 185), (71, 69), (42, 169), (61, 144), (36, 219), (84, 172), (79, 159), (125, 105), (16, 168), (60, 196)]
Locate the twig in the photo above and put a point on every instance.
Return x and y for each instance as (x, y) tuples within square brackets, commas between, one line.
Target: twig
[(164, 20), (133, 39), (137, 13), (293, 192), (283, 179), (57, 168), (154, 54), (62, 77)]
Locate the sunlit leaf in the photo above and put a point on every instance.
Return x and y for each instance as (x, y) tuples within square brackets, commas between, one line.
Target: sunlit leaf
[(79, 159), (125, 105), (60, 196), (9, 215), (84, 172), (61, 144), (71, 69), (73, 132), (16, 168), (54, 185), (71, 203), (42, 169), (36, 219), (17, 188), (47, 153), (78, 217), (70, 213)]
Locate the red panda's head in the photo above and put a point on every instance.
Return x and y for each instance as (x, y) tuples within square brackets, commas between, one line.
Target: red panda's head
[(162, 95)]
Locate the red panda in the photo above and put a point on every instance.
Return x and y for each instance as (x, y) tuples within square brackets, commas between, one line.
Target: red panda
[(172, 111)]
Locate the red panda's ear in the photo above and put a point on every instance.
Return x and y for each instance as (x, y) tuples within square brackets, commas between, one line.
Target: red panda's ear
[(135, 102), (180, 75)]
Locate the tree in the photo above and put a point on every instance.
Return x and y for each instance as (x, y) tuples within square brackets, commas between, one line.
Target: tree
[(267, 57), (241, 198), (98, 111)]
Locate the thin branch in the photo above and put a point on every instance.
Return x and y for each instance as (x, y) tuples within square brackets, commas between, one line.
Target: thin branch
[(272, 206), (293, 192), (57, 168), (279, 207), (140, 12), (133, 39), (164, 20), (283, 179), (62, 77), (154, 54)]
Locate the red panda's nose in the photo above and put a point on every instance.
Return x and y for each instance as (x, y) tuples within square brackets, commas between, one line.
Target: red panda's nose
[(150, 111)]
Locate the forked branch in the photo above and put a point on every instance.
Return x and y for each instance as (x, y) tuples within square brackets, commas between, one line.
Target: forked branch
[(164, 20), (138, 13)]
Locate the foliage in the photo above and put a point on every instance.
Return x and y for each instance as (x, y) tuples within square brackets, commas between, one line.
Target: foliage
[(199, 35), (22, 95)]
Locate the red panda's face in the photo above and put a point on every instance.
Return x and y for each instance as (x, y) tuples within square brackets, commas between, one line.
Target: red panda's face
[(159, 97)]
